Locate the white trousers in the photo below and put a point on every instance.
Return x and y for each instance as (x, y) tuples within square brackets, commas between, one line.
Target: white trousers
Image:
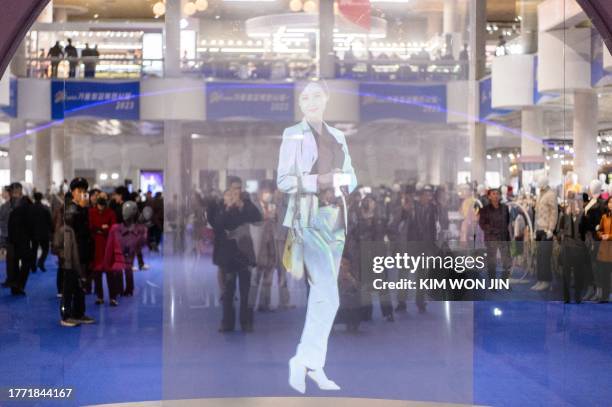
[(323, 246)]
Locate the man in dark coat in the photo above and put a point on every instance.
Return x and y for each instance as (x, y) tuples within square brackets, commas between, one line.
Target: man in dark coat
[(73, 55), (43, 227), (494, 220), (427, 216), (20, 236), (233, 252), (5, 210), (78, 190)]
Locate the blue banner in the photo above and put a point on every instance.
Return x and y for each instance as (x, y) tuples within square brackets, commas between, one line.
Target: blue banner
[(420, 103), (486, 99), (11, 109), (233, 100), (107, 100)]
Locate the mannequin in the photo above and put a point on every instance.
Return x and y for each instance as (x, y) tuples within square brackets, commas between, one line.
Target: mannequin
[(571, 183), (504, 193), (602, 178), (545, 223), (470, 230), (604, 187), (594, 193), (481, 191)]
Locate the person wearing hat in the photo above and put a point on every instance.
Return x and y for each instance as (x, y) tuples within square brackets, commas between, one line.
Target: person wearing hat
[(80, 224)]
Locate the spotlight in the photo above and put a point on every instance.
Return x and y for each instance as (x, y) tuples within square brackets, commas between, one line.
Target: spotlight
[(159, 8), (310, 6), (189, 9), (295, 5), (201, 5)]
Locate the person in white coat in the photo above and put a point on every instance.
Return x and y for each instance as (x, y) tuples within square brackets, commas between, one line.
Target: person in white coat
[(315, 169)]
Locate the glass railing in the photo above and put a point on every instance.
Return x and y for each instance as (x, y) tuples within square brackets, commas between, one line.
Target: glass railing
[(250, 68), (93, 67)]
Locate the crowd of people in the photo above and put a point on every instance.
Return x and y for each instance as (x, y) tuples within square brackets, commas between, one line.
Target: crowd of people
[(562, 241), (91, 234), (549, 235), (57, 53)]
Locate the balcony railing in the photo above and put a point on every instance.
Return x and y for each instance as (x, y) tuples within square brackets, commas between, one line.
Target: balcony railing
[(250, 68)]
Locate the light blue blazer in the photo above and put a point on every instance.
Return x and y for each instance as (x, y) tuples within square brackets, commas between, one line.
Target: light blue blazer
[(298, 153)]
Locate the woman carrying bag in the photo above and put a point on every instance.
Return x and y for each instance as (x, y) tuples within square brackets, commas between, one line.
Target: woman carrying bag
[(315, 170)]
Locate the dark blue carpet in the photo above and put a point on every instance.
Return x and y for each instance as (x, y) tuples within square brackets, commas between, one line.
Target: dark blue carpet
[(163, 344)]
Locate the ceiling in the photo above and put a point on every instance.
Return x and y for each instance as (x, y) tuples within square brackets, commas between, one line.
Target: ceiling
[(497, 10)]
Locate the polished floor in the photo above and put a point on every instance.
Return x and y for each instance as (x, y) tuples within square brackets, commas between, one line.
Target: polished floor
[(163, 344)]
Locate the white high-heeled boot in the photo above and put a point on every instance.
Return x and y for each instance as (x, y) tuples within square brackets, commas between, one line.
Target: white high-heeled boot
[(297, 375), (536, 286), (319, 377)]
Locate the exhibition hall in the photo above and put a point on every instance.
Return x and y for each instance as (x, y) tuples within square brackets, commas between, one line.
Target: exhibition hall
[(306, 203)]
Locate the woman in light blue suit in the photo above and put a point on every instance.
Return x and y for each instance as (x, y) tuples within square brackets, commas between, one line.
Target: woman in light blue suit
[(315, 169)]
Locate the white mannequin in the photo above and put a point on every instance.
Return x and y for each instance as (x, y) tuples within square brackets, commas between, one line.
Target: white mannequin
[(594, 191), (504, 193), (543, 182), (545, 221), (573, 177), (481, 190), (602, 178)]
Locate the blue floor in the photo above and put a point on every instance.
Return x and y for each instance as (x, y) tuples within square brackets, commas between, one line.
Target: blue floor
[(163, 344)]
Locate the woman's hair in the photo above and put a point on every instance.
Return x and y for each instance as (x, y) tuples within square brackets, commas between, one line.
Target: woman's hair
[(321, 82)]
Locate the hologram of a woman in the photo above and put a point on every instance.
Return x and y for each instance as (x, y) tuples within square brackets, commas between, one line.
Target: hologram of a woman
[(315, 169)]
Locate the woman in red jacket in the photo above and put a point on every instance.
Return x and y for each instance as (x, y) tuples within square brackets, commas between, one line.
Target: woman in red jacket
[(101, 218)]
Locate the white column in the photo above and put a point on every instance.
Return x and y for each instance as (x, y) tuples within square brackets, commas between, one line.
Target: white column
[(18, 145), (585, 136), (528, 11), (68, 169), (60, 15), (173, 167), (532, 133), (57, 155), (326, 39), (19, 65), (449, 15), (46, 16), (555, 172), (172, 39), (477, 130), (435, 153), (423, 161), (434, 24), (41, 160)]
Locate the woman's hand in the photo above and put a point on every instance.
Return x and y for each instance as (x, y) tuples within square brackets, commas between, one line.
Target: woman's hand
[(605, 236), (325, 180)]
